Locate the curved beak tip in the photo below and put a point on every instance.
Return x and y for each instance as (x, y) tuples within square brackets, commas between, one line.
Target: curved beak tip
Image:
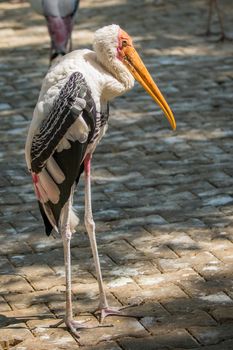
[(141, 74), (173, 125)]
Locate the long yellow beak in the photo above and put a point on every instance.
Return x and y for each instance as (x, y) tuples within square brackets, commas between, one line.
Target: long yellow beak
[(137, 68)]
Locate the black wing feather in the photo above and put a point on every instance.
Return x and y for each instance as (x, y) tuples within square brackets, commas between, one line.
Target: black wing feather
[(60, 118), (53, 129)]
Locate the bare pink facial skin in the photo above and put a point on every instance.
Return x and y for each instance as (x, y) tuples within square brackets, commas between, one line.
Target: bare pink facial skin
[(123, 38)]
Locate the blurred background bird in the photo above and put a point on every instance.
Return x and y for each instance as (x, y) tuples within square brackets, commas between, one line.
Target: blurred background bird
[(215, 4), (60, 16)]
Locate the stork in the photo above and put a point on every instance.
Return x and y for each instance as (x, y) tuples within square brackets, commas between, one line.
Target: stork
[(69, 120), (223, 36), (60, 16)]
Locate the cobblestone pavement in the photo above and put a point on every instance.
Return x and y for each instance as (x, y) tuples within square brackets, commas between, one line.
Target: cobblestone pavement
[(162, 200)]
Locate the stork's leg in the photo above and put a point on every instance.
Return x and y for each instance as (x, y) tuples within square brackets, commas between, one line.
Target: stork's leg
[(104, 310), (90, 226), (211, 3), (50, 53), (70, 43), (64, 228), (223, 35), (208, 31)]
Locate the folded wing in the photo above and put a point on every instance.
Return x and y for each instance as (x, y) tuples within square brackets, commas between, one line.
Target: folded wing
[(59, 145)]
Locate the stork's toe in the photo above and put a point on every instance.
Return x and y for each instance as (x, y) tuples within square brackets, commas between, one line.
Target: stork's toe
[(75, 326), (113, 311)]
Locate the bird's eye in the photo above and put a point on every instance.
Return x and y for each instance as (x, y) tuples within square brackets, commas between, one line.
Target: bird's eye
[(124, 43)]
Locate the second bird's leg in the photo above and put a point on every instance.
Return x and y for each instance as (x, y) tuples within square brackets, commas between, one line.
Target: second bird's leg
[(211, 3), (220, 19), (70, 43), (223, 36), (104, 310)]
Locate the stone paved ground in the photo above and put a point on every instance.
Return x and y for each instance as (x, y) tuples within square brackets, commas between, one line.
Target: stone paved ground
[(163, 200)]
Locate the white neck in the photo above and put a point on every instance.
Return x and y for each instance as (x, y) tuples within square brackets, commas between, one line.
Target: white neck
[(119, 79)]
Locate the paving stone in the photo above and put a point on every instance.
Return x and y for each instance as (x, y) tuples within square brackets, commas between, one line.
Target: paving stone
[(218, 244), (4, 306), (150, 343), (164, 278), (223, 313), (122, 327), (182, 244), (225, 255), (146, 309), (10, 247), (121, 251), (14, 284), (102, 346), (6, 267), (15, 333), (29, 344), (151, 248), (201, 287), (26, 300), (166, 340), (219, 270), (162, 200), (168, 265), (158, 293), (204, 302), (223, 345), (55, 336), (179, 321), (13, 317), (210, 335)]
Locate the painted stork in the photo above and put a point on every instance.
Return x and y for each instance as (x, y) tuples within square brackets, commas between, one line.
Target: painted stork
[(69, 120), (212, 4), (60, 16)]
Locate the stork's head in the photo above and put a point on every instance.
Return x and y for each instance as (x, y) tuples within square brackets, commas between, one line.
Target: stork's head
[(115, 50)]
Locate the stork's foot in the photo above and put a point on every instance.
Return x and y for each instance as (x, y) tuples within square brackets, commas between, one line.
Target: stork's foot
[(75, 326), (224, 37), (113, 311), (207, 33)]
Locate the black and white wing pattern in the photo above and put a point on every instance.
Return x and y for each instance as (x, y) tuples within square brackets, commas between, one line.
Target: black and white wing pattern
[(58, 148), (101, 121), (74, 99)]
